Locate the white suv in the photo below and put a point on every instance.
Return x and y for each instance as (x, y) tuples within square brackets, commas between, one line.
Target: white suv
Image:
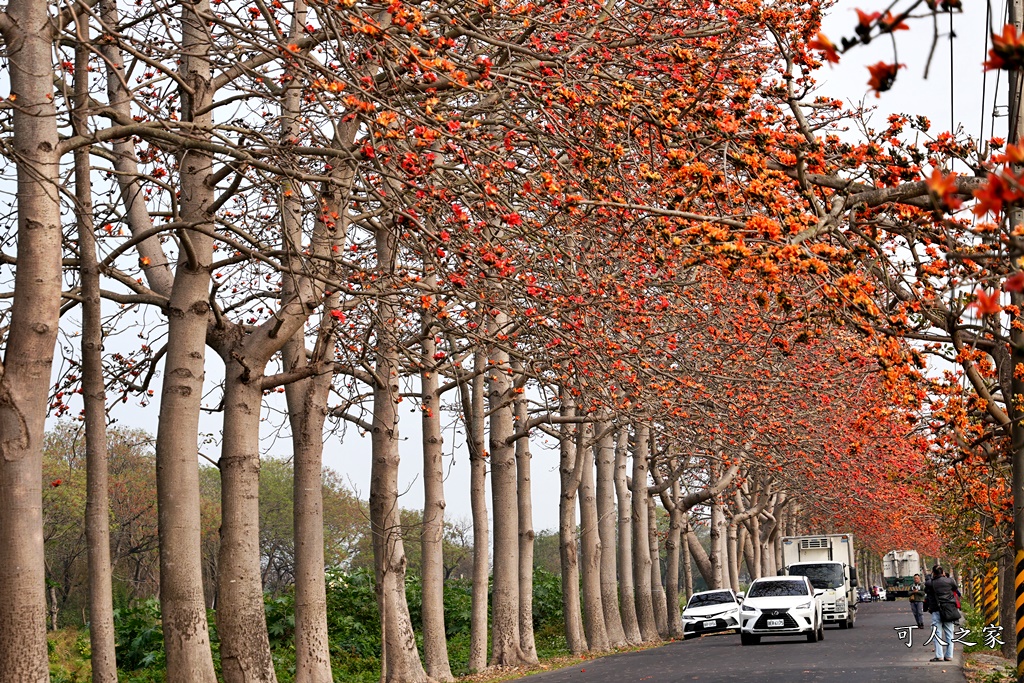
[(781, 606), (711, 612)]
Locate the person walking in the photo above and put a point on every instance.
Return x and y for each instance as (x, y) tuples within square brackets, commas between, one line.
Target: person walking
[(917, 600), (940, 600)]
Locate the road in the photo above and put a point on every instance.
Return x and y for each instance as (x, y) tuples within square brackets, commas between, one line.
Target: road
[(872, 652)]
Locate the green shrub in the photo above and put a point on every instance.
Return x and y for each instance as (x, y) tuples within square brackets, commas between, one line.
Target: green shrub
[(139, 636)]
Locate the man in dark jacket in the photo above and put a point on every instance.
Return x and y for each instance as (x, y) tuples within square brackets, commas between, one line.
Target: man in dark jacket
[(917, 596), (939, 591)]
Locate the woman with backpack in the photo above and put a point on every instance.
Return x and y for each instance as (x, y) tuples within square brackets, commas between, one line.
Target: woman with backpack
[(941, 600)]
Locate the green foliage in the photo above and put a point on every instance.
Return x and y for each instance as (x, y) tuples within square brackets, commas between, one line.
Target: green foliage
[(547, 600), (280, 620), (353, 622), (139, 636)]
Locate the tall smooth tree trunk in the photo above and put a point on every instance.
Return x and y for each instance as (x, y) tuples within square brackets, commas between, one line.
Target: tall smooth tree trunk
[(307, 412), (435, 644), (657, 589), (524, 491), (606, 530), (186, 633), (641, 538), (506, 648), (699, 556), (754, 544), (241, 620), (307, 396), (28, 31), (733, 551), (624, 550), (567, 550), (473, 412), (684, 551), (717, 533), (590, 545), (401, 660), (672, 547), (1007, 603), (97, 499)]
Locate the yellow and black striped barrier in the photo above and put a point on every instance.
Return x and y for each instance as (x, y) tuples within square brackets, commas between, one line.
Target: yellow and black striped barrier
[(1018, 586), (976, 590), (990, 596)]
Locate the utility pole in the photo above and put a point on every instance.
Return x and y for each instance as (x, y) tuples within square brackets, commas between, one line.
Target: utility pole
[(1016, 404)]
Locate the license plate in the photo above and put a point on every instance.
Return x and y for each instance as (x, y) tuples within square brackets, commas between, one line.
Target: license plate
[(775, 623), (710, 624)]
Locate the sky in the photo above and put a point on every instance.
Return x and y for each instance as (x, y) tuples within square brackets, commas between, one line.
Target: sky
[(952, 97)]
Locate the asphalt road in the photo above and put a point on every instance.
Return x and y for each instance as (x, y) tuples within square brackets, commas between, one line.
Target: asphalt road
[(872, 652)]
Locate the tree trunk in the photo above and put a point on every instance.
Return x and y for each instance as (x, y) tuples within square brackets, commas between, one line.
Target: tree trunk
[(505, 644), (186, 634), (606, 531), (307, 412), (241, 620), (1007, 604), (94, 396), (699, 556), (473, 411), (574, 638), (752, 548), (657, 589), (526, 533), (435, 644), (624, 551), (590, 545), (672, 546), (684, 550), (733, 555), (28, 30), (641, 538), (715, 553), (401, 660)]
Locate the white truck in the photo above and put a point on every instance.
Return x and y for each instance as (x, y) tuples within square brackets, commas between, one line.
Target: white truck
[(828, 560), (898, 569)]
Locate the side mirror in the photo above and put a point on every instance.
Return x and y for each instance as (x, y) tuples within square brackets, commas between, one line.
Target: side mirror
[(739, 597), (853, 576)]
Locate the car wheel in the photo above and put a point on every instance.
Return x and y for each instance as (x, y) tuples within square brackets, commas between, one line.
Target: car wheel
[(747, 639), (812, 637), (687, 636), (821, 631), (844, 624)]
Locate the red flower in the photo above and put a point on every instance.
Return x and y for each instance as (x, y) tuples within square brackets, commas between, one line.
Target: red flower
[(864, 20), (1007, 50), (1014, 283), (992, 195), (882, 77), (821, 42), (56, 482), (943, 189), (985, 303), (888, 23)]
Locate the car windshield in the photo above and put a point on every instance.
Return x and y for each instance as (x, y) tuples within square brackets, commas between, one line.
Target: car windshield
[(826, 575), (774, 589), (706, 599)]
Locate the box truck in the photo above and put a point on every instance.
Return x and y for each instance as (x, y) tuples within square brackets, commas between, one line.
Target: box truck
[(898, 569), (828, 560)]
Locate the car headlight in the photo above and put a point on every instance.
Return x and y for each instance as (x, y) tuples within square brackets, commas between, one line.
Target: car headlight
[(806, 605), (745, 608), (841, 604)]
